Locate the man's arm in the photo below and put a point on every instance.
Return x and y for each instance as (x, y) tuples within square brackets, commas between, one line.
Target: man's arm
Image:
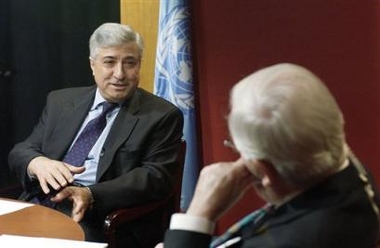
[(219, 187), (44, 146), (30, 151)]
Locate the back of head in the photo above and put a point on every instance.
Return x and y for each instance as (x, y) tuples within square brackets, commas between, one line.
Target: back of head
[(285, 115), (112, 35)]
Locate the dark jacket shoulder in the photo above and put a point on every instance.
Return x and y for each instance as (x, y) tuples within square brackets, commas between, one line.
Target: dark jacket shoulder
[(148, 99)]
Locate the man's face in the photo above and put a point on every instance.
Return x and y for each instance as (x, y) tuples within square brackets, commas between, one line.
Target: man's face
[(116, 71)]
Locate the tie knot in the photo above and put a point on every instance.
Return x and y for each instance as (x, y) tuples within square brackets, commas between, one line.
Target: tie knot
[(108, 106)]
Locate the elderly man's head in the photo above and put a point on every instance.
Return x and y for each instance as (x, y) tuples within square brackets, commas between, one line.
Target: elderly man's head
[(284, 115)]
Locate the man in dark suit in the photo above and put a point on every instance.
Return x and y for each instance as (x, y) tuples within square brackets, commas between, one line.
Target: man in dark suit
[(135, 159), (288, 130)]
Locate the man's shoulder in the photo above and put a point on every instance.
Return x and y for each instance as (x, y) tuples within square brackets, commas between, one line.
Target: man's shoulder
[(61, 97), (72, 91), (152, 100)]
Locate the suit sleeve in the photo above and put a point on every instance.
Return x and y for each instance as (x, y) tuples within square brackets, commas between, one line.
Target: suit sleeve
[(45, 139), (186, 239), (23, 152)]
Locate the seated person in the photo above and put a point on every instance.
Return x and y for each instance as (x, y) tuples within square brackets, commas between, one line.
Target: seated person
[(288, 130), (129, 157)]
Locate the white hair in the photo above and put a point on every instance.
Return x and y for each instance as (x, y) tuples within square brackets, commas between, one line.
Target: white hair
[(285, 115)]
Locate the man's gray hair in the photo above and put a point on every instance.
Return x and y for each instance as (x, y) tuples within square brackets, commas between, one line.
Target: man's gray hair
[(285, 115), (113, 34)]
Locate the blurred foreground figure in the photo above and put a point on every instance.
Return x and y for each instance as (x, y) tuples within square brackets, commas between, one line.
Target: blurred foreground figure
[(289, 132)]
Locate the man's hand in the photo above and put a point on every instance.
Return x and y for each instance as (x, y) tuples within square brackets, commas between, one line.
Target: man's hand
[(219, 186), (52, 172), (81, 198)]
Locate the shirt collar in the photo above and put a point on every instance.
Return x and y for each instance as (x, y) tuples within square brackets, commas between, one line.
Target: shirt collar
[(98, 99)]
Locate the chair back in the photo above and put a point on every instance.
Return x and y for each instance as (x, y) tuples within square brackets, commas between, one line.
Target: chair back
[(166, 207)]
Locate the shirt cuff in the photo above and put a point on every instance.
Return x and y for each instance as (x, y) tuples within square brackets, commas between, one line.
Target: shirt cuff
[(191, 223)]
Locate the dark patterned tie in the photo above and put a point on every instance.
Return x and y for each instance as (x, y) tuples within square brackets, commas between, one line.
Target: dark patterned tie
[(254, 219), (88, 137)]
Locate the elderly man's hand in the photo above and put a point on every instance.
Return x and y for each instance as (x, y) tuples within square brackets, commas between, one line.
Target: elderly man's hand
[(219, 186)]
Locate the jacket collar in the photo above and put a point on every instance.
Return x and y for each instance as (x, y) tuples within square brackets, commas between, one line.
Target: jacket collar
[(327, 193)]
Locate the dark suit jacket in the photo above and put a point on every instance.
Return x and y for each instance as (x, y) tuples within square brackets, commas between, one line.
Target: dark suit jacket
[(139, 160), (337, 213)]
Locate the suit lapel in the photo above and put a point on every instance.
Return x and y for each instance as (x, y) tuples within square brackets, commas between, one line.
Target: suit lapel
[(70, 122), (120, 131)]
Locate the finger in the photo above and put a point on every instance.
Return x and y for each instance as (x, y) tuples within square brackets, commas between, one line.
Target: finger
[(75, 169), (44, 186), (59, 196), (247, 179), (78, 216), (67, 176), (63, 194), (51, 180), (240, 164), (78, 209), (47, 182), (63, 177)]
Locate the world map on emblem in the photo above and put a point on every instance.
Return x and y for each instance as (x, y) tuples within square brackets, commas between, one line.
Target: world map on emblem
[(173, 62)]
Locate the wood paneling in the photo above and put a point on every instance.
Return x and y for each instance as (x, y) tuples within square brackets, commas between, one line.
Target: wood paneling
[(142, 16)]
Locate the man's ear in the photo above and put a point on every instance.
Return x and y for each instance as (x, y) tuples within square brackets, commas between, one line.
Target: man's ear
[(92, 64)]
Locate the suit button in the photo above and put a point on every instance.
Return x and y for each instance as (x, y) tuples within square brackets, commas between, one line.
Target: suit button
[(102, 152)]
